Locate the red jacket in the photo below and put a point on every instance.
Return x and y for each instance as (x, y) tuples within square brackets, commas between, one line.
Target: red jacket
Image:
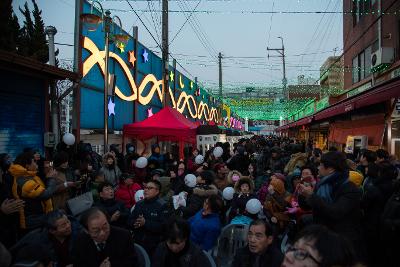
[(127, 194)]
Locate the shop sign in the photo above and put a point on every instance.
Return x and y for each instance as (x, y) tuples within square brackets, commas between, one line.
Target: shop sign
[(359, 89), (323, 103)]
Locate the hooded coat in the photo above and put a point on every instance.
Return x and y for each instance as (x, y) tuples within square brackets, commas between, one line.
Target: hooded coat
[(111, 173), (36, 194), (239, 201)]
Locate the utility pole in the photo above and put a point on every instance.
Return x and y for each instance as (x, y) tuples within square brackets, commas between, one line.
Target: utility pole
[(165, 52), (281, 52), (220, 75), (51, 31)]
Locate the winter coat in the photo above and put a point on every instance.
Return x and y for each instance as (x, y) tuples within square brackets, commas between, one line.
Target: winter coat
[(191, 256), (111, 206), (126, 194), (119, 248), (62, 193), (36, 194), (195, 201), (204, 230), (111, 173), (156, 161), (343, 214), (375, 196), (239, 163), (276, 205), (275, 165), (177, 184), (239, 201), (43, 237), (272, 257), (155, 213)]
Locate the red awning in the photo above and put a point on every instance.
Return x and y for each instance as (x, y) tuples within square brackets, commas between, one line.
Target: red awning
[(167, 124), (303, 121), (379, 93), (372, 126)]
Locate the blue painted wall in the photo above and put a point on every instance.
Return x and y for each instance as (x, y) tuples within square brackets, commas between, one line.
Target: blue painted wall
[(22, 112)]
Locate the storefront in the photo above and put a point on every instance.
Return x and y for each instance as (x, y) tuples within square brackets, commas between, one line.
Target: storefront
[(24, 98)]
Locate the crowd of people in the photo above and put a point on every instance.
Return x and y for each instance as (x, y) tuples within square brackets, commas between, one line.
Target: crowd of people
[(302, 206)]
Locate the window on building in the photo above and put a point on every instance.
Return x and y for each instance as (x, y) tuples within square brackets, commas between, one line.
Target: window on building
[(356, 73), (360, 8), (361, 64), (368, 52), (361, 67)]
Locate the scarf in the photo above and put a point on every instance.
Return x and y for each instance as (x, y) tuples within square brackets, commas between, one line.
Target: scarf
[(327, 184)]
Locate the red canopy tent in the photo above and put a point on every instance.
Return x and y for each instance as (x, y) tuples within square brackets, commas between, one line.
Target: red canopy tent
[(167, 125)]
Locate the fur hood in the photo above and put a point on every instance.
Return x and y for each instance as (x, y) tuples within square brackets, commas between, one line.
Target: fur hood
[(230, 174), (108, 154), (244, 179), (201, 191), (298, 159)]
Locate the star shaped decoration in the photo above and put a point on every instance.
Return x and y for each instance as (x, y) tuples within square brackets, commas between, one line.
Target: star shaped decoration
[(120, 46), (149, 112), (191, 84), (132, 57), (145, 56), (171, 76), (111, 107)]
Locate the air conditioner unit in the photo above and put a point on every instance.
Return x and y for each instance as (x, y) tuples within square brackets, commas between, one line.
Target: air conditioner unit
[(382, 58)]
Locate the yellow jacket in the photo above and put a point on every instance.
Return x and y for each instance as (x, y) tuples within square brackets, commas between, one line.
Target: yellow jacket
[(29, 187)]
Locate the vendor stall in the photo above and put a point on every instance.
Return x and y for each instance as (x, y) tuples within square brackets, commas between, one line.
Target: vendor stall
[(166, 125)]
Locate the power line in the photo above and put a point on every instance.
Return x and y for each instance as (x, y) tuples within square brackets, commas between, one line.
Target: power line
[(152, 36), (356, 40), (227, 12), (190, 15)]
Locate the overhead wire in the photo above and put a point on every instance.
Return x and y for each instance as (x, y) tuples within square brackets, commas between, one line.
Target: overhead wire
[(154, 22), (197, 22), (190, 15), (195, 30)]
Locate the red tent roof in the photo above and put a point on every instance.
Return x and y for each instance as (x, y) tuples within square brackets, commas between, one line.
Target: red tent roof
[(167, 124)]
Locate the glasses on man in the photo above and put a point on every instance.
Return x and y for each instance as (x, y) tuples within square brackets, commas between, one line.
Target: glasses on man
[(300, 254)]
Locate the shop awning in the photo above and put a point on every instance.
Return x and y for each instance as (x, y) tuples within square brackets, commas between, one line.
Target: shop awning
[(301, 122), (372, 126), (379, 93)]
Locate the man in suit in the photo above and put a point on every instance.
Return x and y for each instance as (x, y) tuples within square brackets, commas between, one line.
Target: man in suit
[(102, 245)]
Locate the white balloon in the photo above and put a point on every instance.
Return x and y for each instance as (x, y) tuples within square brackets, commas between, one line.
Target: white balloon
[(139, 195), (141, 162), (199, 159), (218, 151), (190, 180), (228, 193), (253, 206), (69, 139)]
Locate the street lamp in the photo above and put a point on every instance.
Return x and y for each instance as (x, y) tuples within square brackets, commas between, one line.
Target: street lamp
[(92, 20)]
